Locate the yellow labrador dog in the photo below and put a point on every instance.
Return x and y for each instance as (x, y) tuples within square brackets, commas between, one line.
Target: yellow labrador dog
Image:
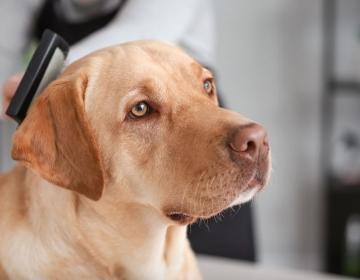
[(117, 156)]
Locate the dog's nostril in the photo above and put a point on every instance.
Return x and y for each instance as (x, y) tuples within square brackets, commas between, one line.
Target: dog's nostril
[(251, 148), (248, 140)]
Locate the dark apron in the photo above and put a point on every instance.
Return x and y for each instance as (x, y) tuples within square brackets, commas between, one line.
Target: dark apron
[(71, 32)]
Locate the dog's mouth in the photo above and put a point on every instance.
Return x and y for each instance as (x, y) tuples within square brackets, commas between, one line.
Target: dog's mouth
[(240, 192), (254, 185), (259, 179), (181, 218)]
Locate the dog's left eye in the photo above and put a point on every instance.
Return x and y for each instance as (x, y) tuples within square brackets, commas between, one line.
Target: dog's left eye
[(141, 109), (208, 86)]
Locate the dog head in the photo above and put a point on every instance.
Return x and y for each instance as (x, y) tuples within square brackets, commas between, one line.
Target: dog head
[(140, 122)]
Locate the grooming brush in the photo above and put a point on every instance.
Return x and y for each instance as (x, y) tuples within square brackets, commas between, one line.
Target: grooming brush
[(45, 65)]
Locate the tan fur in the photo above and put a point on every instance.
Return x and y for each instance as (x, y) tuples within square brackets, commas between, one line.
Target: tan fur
[(94, 190)]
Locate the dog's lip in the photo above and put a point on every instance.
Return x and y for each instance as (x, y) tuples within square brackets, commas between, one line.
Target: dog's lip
[(259, 177), (254, 182), (185, 218), (181, 218)]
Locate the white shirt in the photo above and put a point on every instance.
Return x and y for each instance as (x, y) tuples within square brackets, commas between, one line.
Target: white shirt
[(188, 23)]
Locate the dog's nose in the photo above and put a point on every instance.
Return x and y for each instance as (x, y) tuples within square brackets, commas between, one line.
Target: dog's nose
[(248, 141)]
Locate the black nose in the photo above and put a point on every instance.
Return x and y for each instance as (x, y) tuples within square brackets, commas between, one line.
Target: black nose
[(248, 141)]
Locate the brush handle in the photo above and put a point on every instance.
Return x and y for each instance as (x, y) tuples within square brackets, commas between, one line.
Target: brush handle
[(38, 74)]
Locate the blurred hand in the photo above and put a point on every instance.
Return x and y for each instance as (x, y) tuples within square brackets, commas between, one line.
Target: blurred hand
[(9, 89)]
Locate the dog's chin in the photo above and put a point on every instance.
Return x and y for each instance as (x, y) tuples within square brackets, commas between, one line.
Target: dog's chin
[(245, 196)]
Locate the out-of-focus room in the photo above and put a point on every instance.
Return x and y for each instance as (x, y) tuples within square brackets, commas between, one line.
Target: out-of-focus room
[(294, 67)]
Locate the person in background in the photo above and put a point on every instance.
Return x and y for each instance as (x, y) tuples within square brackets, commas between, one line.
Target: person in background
[(92, 24)]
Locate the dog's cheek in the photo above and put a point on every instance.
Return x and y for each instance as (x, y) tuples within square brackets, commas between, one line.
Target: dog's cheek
[(134, 165)]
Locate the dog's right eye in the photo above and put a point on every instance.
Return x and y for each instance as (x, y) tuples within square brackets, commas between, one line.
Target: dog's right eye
[(208, 86), (140, 110)]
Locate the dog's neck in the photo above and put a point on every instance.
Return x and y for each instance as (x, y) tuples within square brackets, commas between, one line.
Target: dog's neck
[(122, 240), (136, 236)]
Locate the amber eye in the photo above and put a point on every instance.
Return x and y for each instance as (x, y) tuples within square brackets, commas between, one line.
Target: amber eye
[(208, 87), (140, 110)]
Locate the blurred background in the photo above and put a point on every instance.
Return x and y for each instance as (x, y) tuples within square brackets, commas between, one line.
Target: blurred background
[(293, 66)]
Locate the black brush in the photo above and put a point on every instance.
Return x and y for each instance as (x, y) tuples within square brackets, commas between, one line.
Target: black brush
[(45, 65)]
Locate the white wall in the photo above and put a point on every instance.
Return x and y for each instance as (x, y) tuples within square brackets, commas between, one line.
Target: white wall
[(269, 65)]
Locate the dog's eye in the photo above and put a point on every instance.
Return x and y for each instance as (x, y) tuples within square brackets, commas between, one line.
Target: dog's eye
[(208, 86), (141, 109)]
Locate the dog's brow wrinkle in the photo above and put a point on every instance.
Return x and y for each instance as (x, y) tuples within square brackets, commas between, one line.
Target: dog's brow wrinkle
[(197, 69), (210, 74), (147, 85)]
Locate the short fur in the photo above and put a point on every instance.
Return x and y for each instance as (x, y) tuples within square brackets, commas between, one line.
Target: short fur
[(98, 194)]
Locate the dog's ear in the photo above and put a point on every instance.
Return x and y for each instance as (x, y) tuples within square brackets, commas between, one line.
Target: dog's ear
[(56, 139)]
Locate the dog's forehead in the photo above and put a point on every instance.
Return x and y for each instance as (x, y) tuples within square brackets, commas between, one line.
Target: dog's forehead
[(153, 56), (129, 63), (158, 51), (144, 55), (152, 67)]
